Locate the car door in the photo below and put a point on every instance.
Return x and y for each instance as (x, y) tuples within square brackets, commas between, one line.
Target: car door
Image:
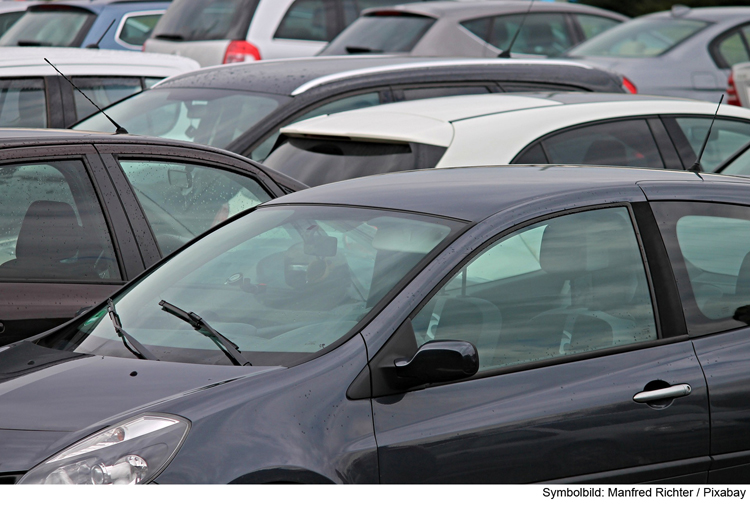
[(64, 245), (174, 194), (562, 314), (709, 247)]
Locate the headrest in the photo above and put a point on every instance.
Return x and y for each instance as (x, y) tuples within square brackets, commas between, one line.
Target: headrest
[(49, 231), (406, 236)]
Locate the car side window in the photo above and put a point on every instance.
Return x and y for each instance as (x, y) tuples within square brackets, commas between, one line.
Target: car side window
[(617, 143), (726, 138), (563, 286), (104, 91), (23, 103), (306, 20), (137, 28), (593, 25), (51, 225), (709, 247), (541, 33), (420, 93), (181, 201), (358, 101)]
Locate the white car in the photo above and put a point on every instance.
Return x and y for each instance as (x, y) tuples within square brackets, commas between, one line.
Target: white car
[(222, 32), (34, 95), (528, 128)]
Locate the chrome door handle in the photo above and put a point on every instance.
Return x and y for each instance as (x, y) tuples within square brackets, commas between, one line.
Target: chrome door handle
[(663, 393)]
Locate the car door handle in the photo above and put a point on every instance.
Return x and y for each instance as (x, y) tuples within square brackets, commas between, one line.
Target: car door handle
[(663, 393)]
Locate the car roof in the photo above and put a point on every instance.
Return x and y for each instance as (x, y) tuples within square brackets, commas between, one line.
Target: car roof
[(429, 121), (473, 194), (29, 61), (469, 10), (296, 76)]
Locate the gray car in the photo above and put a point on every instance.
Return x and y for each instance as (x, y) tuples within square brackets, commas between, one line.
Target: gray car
[(683, 52), (480, 29)]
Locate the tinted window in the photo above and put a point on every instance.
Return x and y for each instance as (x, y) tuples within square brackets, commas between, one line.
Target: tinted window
[(645, 37), (542, 34), (419, 93), (594, 25), (709, 246), (358, 101), (618, 143), (204, 20), (51, 225), (49, 28), (23, 103), (556, 288), (726, 138), (740, 166), (137, 29), (184, 200), (380, 34), (352, 8), (533, 155), (305, 19), (732, 50), (209, 116), (103, 91), (8, 19)]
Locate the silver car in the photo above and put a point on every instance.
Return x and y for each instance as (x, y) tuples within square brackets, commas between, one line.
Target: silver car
[(683, 52), (478, 29)]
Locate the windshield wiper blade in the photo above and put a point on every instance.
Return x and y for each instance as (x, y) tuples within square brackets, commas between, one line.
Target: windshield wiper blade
[(170, 37), (361, 49), (27, 42), (227, 346), (130, 342)]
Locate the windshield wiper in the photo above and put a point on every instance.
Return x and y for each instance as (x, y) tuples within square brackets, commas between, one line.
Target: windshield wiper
[(130, 342), (361, 49), (27, 42), (170, 37), (227, 346)]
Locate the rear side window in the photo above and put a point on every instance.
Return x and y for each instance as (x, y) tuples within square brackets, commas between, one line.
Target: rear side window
[(103, 91), (318, 161), (541, 34), (206, 20), (58, 27), (594, 25), (380, 34), (731, 49), (8, 19), (136, 28), (618, 143), (23, 104), (306, 20), (726, 138)]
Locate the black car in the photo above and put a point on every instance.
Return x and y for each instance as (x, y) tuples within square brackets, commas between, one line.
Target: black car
[(475, 325), (82, 213), (243, 107)]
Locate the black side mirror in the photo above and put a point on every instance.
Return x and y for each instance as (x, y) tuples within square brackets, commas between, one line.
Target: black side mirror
[(440, 361)]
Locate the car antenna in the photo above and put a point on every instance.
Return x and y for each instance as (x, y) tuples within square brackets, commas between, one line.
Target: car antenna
[(696, 167), (120, 130), (95, 46), (505, 54)]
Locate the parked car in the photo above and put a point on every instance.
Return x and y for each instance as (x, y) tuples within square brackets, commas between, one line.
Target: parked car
[(738, 84), (243, 107), (250, 30), (522, 128), (475, 29), (34, 95), (683, 52), (108, 24), (480, 325), (83, 213), (10, 11)]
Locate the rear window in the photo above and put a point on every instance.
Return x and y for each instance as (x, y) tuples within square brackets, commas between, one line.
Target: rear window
[(54, 26), (647, 37), (319, 161), (380, 34), (137, 28), (206, 20), (7, 20)]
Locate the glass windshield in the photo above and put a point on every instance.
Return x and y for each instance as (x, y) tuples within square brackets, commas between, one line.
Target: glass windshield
[(215, 117), (647, 37), (380, 34), (281, 283), (49, 28)]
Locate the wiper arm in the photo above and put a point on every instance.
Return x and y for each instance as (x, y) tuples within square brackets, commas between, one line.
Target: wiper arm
[(131, 344), (227, 346)]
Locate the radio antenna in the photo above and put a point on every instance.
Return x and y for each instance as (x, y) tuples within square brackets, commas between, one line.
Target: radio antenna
[(505, 54), (95, 46), (696, 167), (119, 129)]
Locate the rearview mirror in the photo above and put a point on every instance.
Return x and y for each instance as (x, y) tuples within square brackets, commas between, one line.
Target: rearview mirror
[(180, 178), (440, 361)]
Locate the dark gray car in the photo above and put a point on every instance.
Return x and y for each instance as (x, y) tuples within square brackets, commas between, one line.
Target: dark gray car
[(477, 325)]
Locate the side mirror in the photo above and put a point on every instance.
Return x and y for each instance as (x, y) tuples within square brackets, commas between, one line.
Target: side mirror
[(440, 361)]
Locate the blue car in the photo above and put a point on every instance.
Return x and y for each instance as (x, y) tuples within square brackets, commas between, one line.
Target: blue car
[(108, 24)]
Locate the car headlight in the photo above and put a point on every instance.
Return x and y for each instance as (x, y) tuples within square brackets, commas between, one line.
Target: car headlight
[(131, 452)]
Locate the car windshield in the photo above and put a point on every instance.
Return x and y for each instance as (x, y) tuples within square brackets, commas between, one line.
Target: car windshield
[(215, 117), (59, 27), (380, 34), (647, 37), (282, 283)]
